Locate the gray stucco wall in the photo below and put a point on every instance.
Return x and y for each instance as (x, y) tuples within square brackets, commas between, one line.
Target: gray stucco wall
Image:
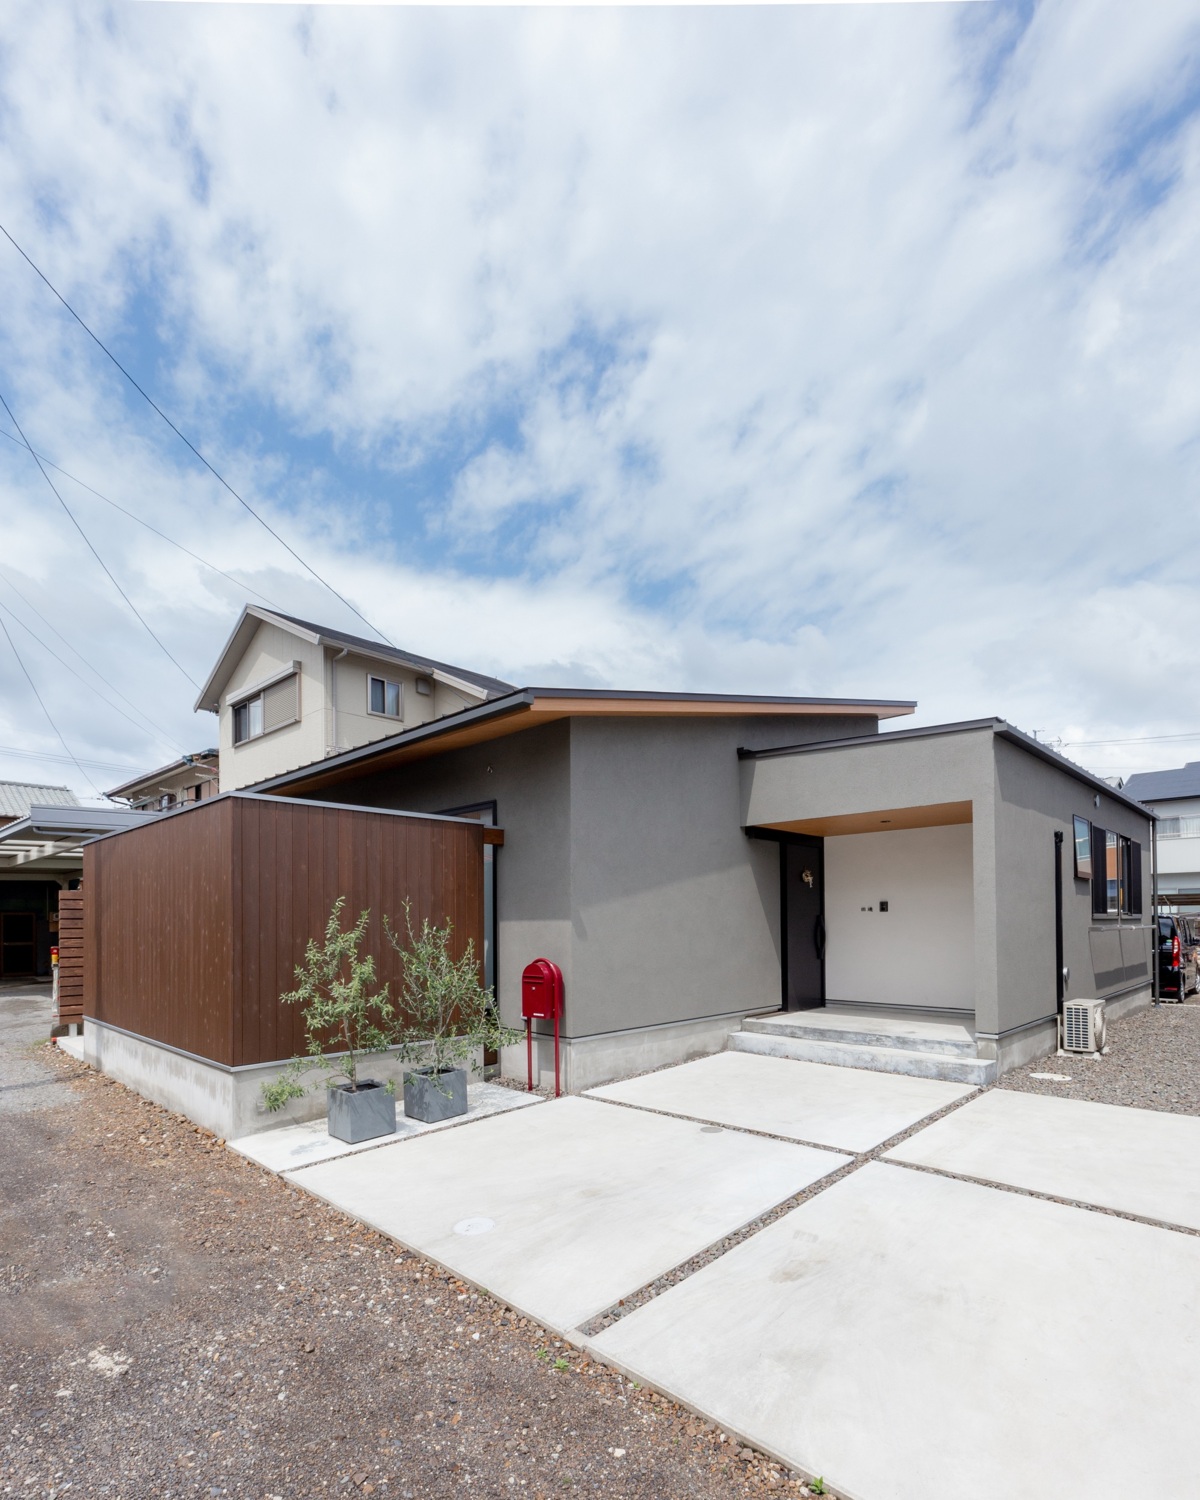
[(896, 773), (623, 861), (1106, 955)]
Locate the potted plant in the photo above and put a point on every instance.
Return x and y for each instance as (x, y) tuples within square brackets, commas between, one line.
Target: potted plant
[(446, 1017), (336, 988)]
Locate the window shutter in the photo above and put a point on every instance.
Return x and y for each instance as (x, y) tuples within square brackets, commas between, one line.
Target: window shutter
[(281, 703), (1099, 871), (1135, 878)]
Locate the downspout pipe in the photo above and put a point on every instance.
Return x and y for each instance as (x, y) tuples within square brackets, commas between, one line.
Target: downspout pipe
[(1155, 988), (333, 661)]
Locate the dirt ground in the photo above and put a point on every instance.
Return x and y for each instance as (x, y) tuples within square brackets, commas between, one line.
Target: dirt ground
[(174, 1321)]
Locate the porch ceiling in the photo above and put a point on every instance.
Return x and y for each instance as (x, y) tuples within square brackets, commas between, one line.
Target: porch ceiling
[(880, 820)]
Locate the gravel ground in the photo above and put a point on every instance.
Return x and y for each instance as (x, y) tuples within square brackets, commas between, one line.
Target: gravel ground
[(174, 1321), (1153, 1062)]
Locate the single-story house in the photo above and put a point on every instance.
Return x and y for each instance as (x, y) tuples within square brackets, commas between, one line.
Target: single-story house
[(766, 873)]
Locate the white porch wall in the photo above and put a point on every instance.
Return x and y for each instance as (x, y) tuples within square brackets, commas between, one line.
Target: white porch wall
[(921, 951)]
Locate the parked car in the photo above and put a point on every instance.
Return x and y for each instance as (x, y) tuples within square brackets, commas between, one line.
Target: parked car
[(1178, 958)]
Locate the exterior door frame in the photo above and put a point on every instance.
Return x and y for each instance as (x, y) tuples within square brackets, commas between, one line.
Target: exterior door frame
[(817, 848)]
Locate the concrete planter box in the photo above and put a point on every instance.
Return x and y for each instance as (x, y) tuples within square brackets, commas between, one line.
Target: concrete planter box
[(363, 1115), (430, 1096)]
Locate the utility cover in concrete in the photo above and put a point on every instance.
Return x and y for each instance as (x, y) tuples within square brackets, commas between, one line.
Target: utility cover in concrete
[(847, 1108), (589, 1201), (1136, 1160), (913, 1337)]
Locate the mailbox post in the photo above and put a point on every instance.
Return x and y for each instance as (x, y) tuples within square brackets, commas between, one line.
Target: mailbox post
[(541, 1000)]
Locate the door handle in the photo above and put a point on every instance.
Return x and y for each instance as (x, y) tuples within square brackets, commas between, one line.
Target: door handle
[(819, 936)]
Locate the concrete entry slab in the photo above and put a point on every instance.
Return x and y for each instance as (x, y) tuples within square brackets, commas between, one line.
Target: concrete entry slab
[(913, 1337), (1138, 1161), (846, 1108), (291, 1147), (563, 1210)]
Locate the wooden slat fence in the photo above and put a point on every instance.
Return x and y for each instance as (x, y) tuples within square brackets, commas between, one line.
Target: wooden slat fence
[(70, 958), (195, 922)]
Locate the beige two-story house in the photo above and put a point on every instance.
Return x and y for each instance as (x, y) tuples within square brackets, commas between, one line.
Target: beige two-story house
[(289, 692)]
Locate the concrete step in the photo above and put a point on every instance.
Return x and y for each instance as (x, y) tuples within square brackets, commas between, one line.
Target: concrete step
[(950, 1039), (877, 1059)]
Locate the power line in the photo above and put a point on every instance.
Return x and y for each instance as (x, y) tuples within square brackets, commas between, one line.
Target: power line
[(237, 582), (46, 711), (79, 676), (97, 765), (188, 443), (91, 548), (1138, 739), (49, 624)]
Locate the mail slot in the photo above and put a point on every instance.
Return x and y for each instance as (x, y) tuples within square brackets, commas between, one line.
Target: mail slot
[(541, 1000)]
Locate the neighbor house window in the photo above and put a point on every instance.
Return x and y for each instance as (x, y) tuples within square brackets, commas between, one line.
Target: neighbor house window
[(247, 719), (385, 697), (1083, 849), (278, 704)]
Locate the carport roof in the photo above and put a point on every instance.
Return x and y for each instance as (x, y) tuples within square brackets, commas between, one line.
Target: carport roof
[(1001, 728), (49, 835)]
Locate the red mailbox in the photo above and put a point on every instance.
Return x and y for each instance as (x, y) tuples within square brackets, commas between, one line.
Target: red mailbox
[(541, 1000)]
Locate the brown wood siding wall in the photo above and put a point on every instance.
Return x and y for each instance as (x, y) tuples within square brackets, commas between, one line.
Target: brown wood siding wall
[(70, 958), (236, 887), (158, 930)]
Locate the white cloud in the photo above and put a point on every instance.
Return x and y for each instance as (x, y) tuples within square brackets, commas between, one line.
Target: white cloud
[(842, 350)]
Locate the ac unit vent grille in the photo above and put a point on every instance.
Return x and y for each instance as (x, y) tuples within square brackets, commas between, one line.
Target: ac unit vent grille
[(1083, 1026)]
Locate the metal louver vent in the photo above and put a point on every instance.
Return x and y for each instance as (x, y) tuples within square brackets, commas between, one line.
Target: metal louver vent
[(1083, 1026)]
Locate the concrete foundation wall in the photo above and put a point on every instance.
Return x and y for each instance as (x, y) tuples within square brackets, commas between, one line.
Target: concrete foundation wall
[(227, 1101), (921, 951)]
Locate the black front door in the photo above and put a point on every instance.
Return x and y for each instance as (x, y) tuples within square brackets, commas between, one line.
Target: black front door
[(801, 873)]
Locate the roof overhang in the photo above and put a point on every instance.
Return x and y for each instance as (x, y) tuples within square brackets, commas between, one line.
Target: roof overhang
[(933, 812), (532, 707), (51, 838)]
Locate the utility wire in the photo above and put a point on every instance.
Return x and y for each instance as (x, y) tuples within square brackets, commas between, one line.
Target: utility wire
[(237, 582), (168, 737), (98, 765), (1137, 739), (67, 665), (189, 444), (91, 548), (46, 711)]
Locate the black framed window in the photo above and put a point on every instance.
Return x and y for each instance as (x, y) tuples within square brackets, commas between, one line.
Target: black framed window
[(1083, 849), (1116, 874)]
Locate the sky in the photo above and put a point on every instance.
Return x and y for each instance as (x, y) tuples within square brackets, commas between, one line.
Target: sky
[(846, 350)]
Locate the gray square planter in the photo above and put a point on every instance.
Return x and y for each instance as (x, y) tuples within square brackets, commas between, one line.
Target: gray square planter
[(363, 1115), (430, 1096)]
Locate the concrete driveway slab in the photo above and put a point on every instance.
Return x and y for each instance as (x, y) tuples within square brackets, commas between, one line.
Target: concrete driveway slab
[(914, 1337), (847, 1108), (563, 1210), (1136, 1160)]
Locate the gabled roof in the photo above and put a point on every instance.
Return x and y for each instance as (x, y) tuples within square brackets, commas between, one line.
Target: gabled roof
[(527, 708), (476, 683), (1159, 786), (17, 797)]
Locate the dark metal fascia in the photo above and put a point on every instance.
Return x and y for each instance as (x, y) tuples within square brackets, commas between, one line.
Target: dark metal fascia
[(967, 726)]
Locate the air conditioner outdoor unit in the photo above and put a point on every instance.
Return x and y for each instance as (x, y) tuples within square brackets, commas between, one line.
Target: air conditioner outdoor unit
[(1083, 1026)]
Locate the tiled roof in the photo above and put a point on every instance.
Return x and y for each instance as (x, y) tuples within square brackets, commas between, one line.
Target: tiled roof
[(17, 797), (1160, 786)]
